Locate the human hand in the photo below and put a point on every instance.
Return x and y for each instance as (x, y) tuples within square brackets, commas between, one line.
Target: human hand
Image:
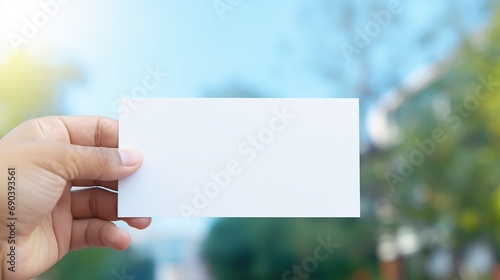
[(50, 156)]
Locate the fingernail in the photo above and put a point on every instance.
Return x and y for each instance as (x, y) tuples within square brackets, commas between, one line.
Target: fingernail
[(130, 157)]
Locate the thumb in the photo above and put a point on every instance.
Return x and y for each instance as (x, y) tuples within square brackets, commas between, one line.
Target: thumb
[(95, 163)]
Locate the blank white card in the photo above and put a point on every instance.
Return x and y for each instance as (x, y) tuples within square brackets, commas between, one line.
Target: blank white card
[(241, 157)]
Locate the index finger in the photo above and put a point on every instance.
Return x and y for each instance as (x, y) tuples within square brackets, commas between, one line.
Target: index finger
[(91, 131)]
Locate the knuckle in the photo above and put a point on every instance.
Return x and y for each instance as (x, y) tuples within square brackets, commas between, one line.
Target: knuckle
[(93, 203), (102, 158), (86, 235), (98, 132), (72, 163)]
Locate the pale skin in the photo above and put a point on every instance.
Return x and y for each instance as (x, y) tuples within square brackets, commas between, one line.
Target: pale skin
[(51, 156)]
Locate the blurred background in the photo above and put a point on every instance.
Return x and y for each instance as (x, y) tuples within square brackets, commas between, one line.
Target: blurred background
[(428, 77)]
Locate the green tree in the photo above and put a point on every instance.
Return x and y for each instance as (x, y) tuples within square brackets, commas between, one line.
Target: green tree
[(450, 196), (268, 248), (455, 189)]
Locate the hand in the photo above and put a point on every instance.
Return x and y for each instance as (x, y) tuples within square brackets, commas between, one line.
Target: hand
[(51, 155)]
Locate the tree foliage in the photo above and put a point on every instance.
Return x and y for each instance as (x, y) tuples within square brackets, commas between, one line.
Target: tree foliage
[(448, 192)]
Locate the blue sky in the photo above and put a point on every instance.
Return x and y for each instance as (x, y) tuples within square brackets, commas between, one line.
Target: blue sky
[(199, 51), (276, 48)]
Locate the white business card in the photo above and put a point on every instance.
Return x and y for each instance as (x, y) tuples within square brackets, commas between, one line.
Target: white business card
[(241, 157)]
